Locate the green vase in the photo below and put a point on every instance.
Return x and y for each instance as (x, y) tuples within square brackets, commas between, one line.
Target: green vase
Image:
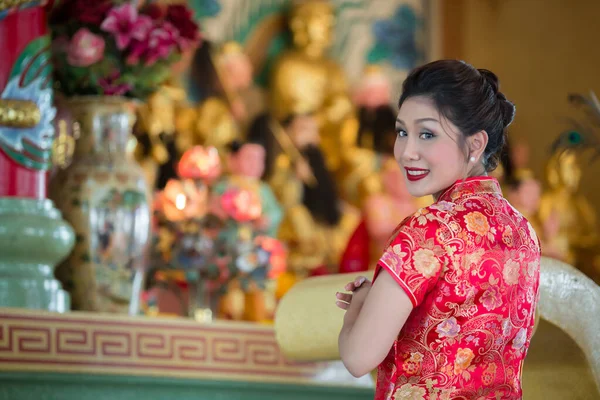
[(33, 240)]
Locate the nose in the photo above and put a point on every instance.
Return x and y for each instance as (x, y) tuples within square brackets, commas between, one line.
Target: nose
[(409, 150)]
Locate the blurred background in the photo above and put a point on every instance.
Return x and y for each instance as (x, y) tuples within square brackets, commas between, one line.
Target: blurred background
[(192, 161)]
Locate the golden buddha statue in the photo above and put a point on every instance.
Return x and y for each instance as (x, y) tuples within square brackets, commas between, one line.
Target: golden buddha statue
[(306, 81), (563, 207)]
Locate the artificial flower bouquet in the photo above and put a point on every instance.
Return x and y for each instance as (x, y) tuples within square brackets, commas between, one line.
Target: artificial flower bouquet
[(211, 237), (112, 47)]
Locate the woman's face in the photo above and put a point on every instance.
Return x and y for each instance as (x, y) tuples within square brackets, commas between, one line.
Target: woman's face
[(428, 148)]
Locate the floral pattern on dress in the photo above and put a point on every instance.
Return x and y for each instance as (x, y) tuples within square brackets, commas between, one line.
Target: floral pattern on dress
[(470, 265)]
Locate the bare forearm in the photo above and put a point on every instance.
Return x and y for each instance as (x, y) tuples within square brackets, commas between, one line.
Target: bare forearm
[(346, 341)]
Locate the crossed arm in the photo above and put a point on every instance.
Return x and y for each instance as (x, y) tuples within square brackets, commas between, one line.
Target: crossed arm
[(375, 314)]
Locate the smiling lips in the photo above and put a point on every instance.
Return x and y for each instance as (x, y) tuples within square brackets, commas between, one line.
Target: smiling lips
[(415, 174)]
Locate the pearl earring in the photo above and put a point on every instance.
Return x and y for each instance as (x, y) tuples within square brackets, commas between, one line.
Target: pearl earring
[(472, 159)]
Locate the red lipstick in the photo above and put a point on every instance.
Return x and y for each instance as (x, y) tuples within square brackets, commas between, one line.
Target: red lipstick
[(416, 174)]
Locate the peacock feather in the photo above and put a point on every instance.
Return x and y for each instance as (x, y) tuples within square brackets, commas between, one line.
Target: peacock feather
[(583, 134)]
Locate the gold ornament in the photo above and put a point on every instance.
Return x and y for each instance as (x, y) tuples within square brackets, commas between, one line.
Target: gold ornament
[(19, 113)]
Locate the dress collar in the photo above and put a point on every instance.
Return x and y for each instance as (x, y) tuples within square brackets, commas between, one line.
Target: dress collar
[(471, 186)]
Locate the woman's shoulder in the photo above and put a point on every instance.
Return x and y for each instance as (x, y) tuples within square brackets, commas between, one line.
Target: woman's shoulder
[(433, 214), (424, 222)]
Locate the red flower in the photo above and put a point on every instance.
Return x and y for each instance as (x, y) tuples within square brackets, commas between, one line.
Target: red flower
[(181, 17), (155, 11)]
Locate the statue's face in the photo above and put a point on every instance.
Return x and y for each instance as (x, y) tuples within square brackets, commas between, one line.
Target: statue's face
[(563, 171), (249, 161), (569, 170), (312, 26)]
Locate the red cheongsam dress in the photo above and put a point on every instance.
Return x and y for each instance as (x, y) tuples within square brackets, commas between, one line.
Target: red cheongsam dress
[(470, 264)]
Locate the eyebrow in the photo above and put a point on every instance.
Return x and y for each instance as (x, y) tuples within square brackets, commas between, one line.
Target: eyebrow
[(419, 120)]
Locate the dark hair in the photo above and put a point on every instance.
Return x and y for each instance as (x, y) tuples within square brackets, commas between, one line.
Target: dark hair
[(321, 199), (466, 96), (203, 74), (507, 162), (377, 123), (260, 132)]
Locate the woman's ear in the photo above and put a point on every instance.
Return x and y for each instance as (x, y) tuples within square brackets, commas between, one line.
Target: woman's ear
[(477, 144)]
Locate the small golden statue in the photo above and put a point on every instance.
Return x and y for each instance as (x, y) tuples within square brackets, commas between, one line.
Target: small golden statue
[(305, 81), (565, 207), (237, 75), (155, 133), (215, 120)]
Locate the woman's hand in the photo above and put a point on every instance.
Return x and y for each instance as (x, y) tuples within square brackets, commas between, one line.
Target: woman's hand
[(359, 289)]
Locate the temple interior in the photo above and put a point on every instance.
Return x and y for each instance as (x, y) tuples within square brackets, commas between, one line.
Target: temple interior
[(185, 184)]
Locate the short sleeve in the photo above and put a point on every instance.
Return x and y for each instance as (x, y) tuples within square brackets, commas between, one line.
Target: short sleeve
[(414, 257)]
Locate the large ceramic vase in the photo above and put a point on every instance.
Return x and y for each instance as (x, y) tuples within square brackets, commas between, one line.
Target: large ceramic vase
[(104, 195)]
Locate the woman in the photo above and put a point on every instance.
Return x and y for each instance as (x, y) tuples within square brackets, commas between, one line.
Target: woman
[(450, 312)]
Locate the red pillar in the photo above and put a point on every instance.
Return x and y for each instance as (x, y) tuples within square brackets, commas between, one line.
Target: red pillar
[(25, 51)]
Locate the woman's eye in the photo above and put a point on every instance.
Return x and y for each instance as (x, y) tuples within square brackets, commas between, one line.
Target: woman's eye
[(427, 135), (401, 132)]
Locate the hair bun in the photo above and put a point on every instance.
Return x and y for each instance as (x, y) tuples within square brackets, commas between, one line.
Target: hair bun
[(508, 110), (506, 107), (490, 78)]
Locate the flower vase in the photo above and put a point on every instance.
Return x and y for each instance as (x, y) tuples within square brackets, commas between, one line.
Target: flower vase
[(104, 196)]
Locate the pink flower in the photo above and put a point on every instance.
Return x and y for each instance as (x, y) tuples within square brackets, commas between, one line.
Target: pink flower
[(85, 48), (520, 339), (241, 205), (126, 25), (111, 86), (511, 272), (156, 46), (161, 41), (491, 299), (448, 328)]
